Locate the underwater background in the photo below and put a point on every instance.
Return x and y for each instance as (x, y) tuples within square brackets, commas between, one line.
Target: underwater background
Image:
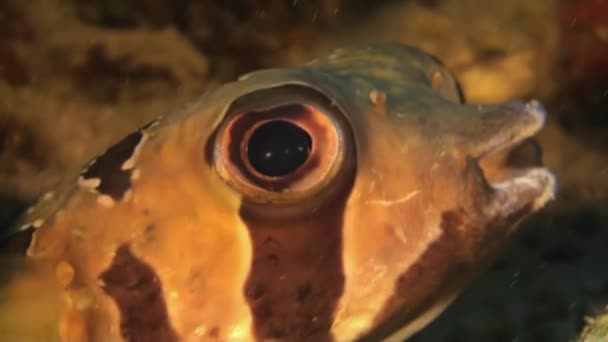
[(77, 75)]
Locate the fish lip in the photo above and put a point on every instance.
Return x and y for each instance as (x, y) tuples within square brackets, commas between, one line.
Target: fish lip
[(533, 110), (532, 186)]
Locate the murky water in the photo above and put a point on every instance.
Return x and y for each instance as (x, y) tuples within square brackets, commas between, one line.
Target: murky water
[(75, 76)]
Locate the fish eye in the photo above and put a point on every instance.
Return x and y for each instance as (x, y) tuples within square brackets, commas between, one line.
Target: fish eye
[(274, 146), (277, 148)]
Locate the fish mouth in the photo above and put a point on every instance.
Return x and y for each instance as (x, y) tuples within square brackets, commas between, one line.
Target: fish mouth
[(511, 164)]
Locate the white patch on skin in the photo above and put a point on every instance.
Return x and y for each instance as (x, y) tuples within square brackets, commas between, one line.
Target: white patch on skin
[(48, 196), (89, 165), (399, 233), (238, 331), (377, 97), (422, 320), (130, 163), (388, 203), (436, 78), (372, 186), (199, 331), (127, 195), (356, 323), (105, 201), (89, 183), (508, 194), (38, 223), (548, 195), (78, 233), (536, 109), (30, 249), (441, 155), (156, 122), (135, 174), (24, 227)]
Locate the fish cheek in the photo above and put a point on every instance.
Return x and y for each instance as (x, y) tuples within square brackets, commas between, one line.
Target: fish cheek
[(465, 247), (424, 283)]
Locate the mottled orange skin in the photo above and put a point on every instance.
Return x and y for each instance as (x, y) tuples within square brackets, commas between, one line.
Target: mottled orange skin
[(406, 221)]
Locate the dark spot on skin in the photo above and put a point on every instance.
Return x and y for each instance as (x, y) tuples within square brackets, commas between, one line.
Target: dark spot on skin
[(214, 332), (273, 259), (148, 234), (137, 292), (271, 243), (256, 291), (303, 291), (17, 243), (107, 167), (300, 294)]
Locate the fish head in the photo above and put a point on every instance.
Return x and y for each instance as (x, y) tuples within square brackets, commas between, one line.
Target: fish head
[(353, 197)]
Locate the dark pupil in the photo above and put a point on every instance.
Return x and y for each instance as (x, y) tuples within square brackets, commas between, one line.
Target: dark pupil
[(277, 148)]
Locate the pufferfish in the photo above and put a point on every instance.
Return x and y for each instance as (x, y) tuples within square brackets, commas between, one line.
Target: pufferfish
[(348, 199)]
